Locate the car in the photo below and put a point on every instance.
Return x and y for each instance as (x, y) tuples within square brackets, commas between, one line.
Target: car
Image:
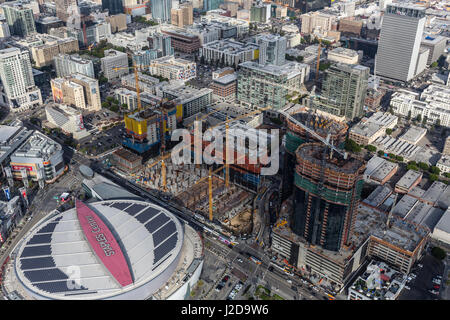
[(420, 265), (407, 288), (240, 260), (436, 286), (434, 292), (225, 279), (289, 281)]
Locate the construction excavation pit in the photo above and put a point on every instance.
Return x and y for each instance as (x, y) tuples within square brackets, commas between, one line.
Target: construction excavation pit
[(189, 186)]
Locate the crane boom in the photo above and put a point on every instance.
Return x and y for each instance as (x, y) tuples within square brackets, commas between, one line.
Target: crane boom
[(314, 134)]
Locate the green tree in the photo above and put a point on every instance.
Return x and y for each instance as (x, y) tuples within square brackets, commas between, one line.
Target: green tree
[(352, 146), (399, 158), (434, 64), (409, 115), (105, 105), (380, 153), (423, 166), (438, 253), (412, 167), (419, 118), (434, 177), (435, 170), (388, 131), (371, 148)]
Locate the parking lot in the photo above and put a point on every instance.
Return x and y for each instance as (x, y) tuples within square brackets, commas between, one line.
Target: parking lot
[(421, 286)]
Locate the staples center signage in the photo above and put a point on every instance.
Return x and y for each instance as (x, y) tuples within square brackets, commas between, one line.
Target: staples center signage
[(104, 244)]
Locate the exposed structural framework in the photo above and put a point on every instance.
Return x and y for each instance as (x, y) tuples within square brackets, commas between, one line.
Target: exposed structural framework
[(296, 135), (326, 196)]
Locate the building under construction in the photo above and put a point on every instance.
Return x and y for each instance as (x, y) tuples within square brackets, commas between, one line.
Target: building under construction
[(144, 133), (296, 135), (326, 195)]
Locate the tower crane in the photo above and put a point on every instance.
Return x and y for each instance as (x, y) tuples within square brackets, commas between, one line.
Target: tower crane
[(318, 60)]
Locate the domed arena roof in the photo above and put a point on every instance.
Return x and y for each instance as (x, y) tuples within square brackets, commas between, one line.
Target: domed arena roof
[(121, 249)]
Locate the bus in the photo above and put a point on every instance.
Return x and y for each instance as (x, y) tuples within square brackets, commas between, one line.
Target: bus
[(255, 260)]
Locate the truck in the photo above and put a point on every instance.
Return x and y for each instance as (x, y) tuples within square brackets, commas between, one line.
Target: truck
[(255, 260)]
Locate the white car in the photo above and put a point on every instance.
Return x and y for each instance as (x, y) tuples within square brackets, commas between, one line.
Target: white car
[(407, 288)]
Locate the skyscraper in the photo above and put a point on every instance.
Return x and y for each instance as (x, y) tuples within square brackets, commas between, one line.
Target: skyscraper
[(400, 38), (113, 6), (272, 49), (161, 10), (19, 90), (163, 43), (211, 4), (344, 90), (19, 18), (326, 196)]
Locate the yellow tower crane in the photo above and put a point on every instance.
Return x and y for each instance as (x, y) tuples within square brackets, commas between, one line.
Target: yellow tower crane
[(210, 195)]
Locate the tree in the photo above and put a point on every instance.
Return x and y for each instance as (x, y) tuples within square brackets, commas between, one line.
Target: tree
[(438, 253), (438, 122), (124, 106), (105, 105), (399, 158), (380, 153), (412, 167), (434, 177), (409, 115), (447, 175), (424, 121), (423, 166), (435, 170), (371, 148), (434, 64), (352, 146), (419, 118), (388, 131)]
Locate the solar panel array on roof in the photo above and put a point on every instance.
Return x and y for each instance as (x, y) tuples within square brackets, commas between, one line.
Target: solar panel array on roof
[(156, 267), (34, 251), (147, 214), (157, 222), (40, 238), (45, 275), (48, 228), (162, 234), (165, 248), (135, 208), (57, 286), (37, 263), (121, 205)]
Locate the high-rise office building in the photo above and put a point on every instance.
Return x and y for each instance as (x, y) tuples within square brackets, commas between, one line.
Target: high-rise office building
[(268, 85), (163, 43), (66, 65), (260, 12), (344, 90), (161, 10), (65, 9), (19, 18), (272, 49), (326, 196), (399, 44), (183, 15), (211, 4), (19, 90), (113, 6)]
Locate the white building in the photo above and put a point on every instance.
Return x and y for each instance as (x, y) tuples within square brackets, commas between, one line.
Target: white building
[(434, 104), (68, 119), (66, 65), (19, 91), (38, 153), (114, 59), (172, 68), (344, 55), (398, 48), (444, 163), (231, 52)]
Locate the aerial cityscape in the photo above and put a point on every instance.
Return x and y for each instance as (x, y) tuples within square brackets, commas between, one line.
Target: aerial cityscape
[(242, 150)]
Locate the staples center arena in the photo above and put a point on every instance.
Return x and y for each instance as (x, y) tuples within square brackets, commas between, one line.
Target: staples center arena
[(115, 249)]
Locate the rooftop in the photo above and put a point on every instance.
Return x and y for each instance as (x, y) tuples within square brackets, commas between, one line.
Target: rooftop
[(413, 134), (289, 69), (366, 129), (408, 179), (444, 222), (434, 191)]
